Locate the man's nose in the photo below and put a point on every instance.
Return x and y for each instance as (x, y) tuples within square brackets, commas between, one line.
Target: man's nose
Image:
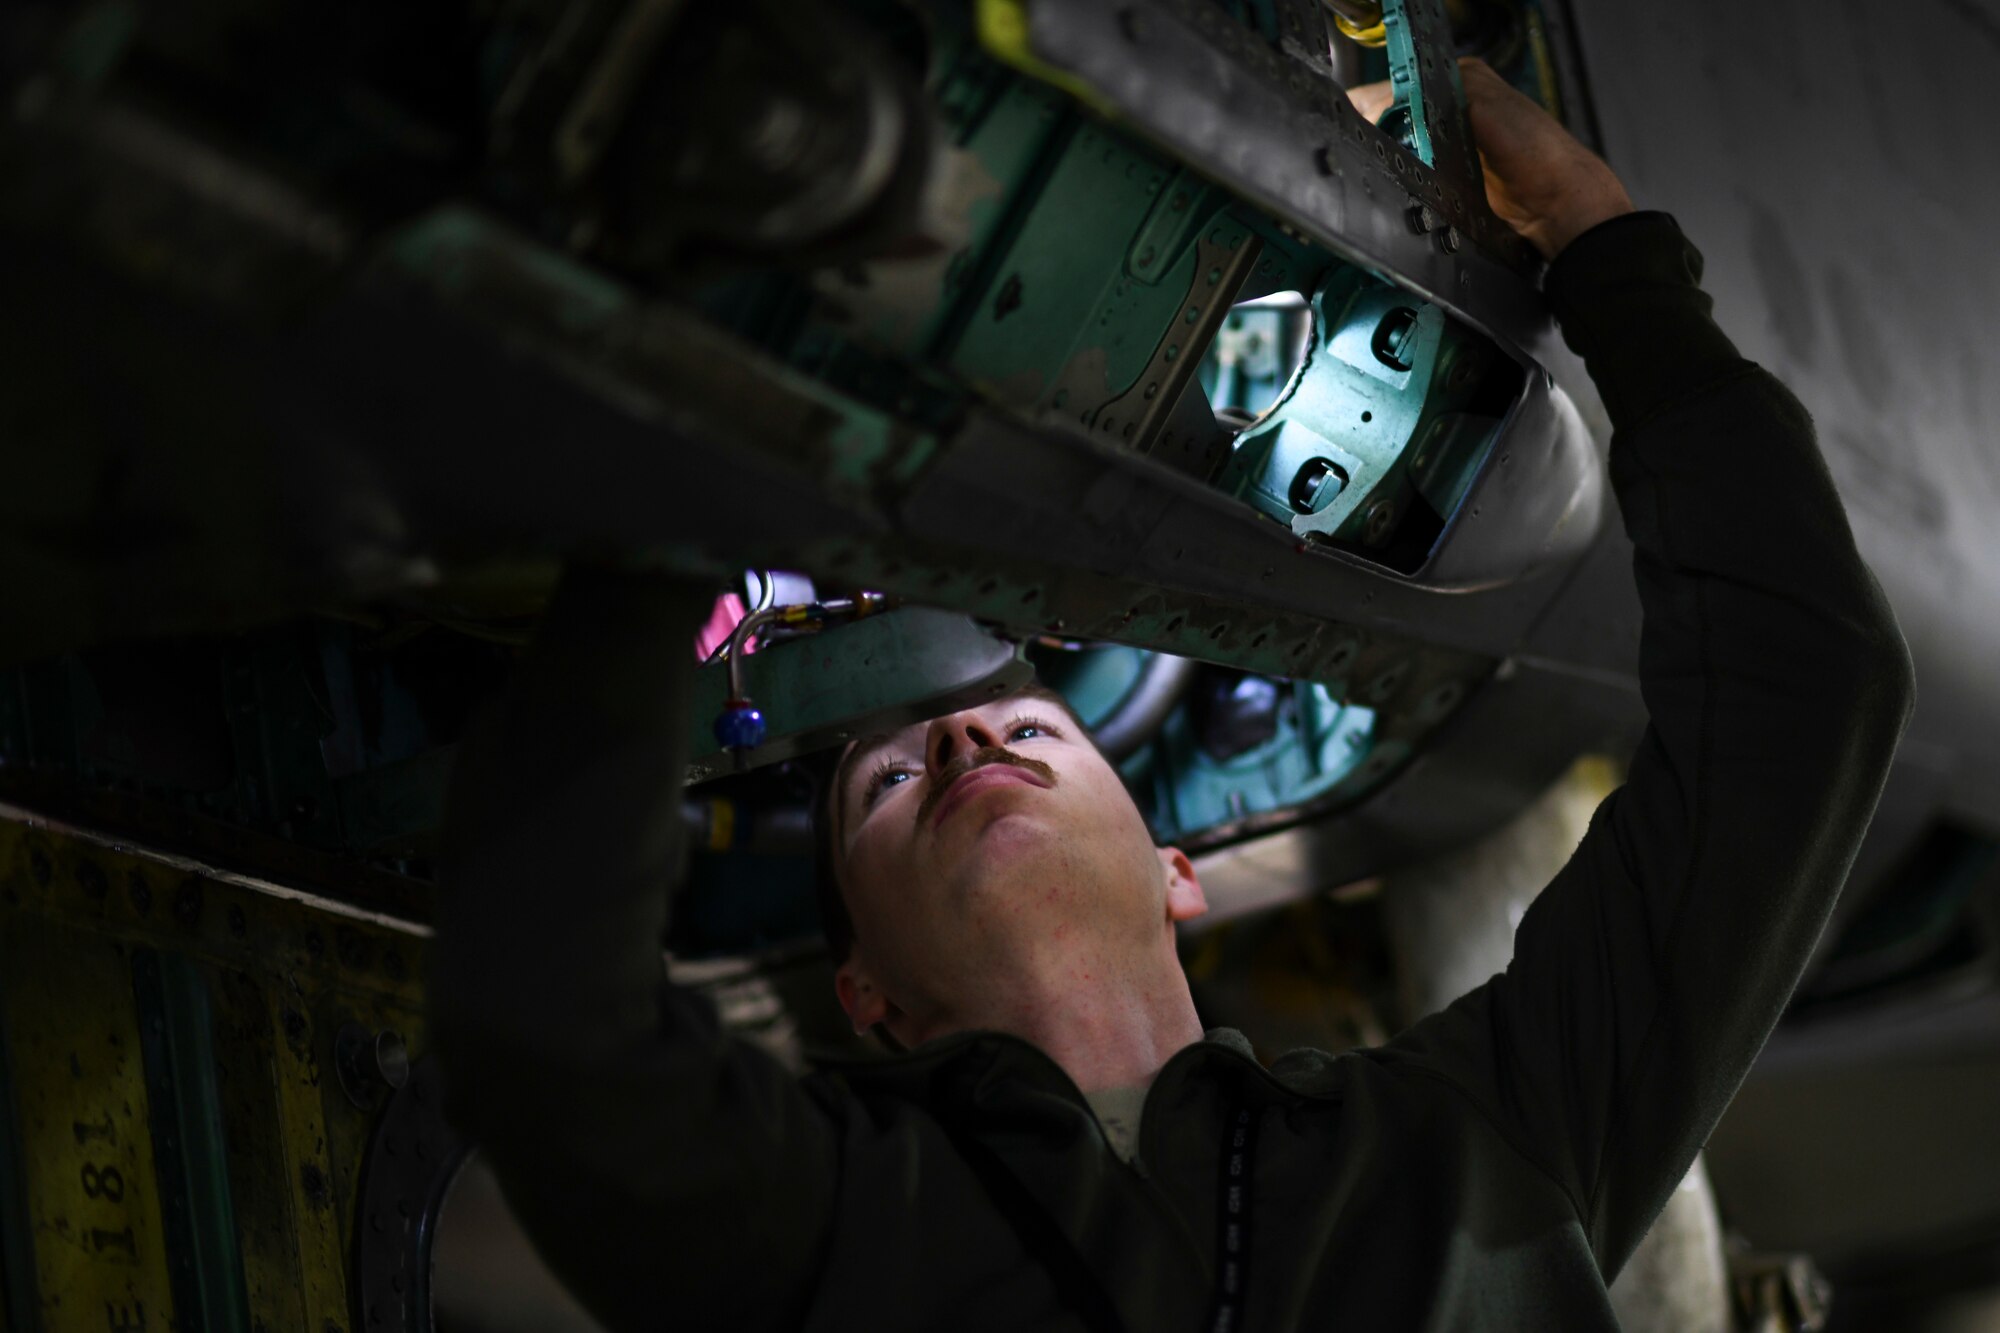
[(954, 736)]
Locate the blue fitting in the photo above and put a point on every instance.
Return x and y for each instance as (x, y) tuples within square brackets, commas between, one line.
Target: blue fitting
[(739, 726)]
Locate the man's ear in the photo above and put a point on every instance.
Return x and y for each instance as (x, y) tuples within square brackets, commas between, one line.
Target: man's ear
[(863, 1000), (1185, 900)]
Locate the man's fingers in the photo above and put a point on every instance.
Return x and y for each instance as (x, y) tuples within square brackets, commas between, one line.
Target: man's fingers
[(1371, 100), (1480, 80), (1539, 179), (1481, 84)]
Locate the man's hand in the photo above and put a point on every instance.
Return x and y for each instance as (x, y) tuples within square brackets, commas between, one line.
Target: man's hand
[(1539, 179)]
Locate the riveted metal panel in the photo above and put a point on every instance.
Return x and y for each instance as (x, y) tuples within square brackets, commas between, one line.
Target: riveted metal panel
[(93, 1211), (220, 1164)]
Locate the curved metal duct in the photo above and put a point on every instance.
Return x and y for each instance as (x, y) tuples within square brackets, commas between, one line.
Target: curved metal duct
[(1162, 682)]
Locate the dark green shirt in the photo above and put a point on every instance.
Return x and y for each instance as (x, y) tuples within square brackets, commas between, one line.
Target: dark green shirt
[(1490, 1168)]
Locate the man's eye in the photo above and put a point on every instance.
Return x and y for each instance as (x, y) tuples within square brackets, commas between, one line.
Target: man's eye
[(1027, 728), (886, 776)]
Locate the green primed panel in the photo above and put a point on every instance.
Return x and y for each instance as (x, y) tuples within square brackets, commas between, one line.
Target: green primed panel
[(1064, 269), (1007, 129), (1408, 114), (1095, 679), (1382, 370), (1079, 272), (1319, 744)]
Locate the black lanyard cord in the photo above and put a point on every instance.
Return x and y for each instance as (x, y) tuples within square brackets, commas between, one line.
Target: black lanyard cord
[(1232, 1241)]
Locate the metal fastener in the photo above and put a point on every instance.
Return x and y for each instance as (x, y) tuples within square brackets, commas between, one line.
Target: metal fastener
[(1380, 515)]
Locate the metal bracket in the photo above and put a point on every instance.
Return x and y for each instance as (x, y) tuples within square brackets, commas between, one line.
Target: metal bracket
[(1276, 130)]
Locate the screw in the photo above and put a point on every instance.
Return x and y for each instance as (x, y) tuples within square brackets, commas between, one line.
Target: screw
[(1380, 515), (1448, 240), (1423, 219)]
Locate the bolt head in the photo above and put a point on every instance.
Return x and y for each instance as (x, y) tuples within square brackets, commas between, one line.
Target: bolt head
[(1380, 514)]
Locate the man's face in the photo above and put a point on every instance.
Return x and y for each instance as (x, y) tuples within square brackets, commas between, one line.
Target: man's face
[(986, 856)]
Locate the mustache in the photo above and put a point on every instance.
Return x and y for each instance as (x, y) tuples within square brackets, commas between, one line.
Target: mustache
[(958, 768)]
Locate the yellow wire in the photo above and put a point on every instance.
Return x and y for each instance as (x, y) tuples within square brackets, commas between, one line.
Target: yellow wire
[(1375, 36), (1003, 29)]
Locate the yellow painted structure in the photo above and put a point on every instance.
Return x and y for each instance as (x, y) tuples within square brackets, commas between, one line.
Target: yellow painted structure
[(90, 1227)]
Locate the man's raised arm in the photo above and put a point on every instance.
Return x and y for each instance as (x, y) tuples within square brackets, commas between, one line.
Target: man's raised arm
[(657, 1164), (1648, 975)]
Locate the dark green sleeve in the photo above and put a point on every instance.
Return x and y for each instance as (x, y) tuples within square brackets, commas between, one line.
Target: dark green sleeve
[(1647, 976), (668, 1173)]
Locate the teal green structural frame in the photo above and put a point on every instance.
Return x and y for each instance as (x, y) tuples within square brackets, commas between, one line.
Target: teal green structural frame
[(1387, 417), (1081, 277), (1317, 741), (1411, 111), (1084, 278), (1320, 741), (1087, 281)]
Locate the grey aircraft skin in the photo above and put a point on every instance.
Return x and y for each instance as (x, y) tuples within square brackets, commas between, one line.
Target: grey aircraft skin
[(297, 386), (1839, 208)]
